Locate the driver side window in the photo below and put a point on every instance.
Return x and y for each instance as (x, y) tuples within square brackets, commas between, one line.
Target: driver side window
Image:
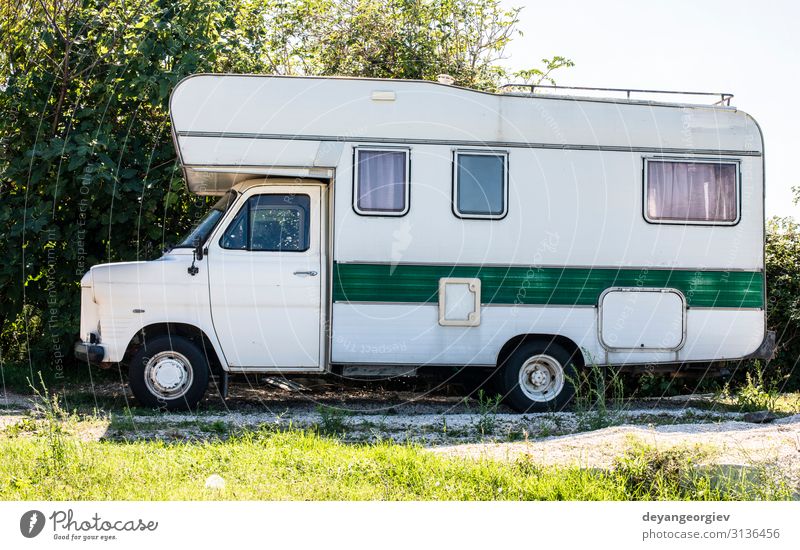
[(270, 223)]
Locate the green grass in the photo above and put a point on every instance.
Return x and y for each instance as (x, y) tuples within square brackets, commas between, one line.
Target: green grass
[(301, 465), (41, 458), (679, 473), (788, 403), (758, 393), (332, 420)]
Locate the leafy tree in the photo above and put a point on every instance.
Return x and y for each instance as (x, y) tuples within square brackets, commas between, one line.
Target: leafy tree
[(88, 172), (537, 76), (783, 294), (414, 39)]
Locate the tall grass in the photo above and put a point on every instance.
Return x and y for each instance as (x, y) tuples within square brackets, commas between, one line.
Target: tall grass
[(599, 396), (332, 420), (487, 412), (756, 394), (53, 421)]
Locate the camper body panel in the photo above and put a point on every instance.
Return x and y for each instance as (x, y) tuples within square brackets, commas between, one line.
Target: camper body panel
[(574, 225), (408, 334), (350, 110), (566, 208)]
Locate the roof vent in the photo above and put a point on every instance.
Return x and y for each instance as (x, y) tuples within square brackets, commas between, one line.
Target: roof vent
[(383, 95), (445, 79)]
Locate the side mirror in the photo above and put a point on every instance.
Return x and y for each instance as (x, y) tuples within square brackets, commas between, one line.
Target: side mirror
[(197, 255)]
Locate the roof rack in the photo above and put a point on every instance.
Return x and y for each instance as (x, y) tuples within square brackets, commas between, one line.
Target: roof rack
[(724, 98)]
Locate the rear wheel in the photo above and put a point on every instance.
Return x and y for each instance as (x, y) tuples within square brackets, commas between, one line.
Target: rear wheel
[(538, 376), (169, 372)]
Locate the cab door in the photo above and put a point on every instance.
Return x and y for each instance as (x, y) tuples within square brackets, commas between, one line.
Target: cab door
[(265, 272)]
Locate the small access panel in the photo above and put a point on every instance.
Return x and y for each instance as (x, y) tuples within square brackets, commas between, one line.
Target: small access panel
[(459, 302), (647, 319)]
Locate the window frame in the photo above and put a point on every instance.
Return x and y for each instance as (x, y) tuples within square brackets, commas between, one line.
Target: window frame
[(692, 160), (454, 177), (355, 190), (232, 198), (249, 248)]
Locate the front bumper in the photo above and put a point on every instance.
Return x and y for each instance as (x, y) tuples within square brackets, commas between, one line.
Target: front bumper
[(92, 354)]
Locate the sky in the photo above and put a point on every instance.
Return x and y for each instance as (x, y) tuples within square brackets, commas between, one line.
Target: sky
[(748, 48)]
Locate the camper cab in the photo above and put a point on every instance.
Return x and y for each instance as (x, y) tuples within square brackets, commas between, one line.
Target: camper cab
[(373, 227)]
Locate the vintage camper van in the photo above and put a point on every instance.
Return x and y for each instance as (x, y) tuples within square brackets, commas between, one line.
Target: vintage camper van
[(378, 226)]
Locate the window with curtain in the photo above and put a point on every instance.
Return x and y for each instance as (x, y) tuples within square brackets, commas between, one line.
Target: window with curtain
[(686, 191), (480, 187), (381, 181)]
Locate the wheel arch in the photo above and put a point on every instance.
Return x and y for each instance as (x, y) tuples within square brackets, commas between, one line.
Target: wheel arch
[(514, 343), (185, 330)]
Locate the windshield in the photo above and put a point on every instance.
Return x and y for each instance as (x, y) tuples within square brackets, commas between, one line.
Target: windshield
[(203, 229)]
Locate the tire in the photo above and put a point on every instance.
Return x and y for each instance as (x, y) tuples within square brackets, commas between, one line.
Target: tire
[(537, 377), (168, 372)]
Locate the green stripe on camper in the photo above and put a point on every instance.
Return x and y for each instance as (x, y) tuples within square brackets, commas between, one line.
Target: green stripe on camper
[(567, 286)]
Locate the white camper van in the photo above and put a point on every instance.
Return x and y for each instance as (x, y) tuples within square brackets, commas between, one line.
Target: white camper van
[(377, 226)]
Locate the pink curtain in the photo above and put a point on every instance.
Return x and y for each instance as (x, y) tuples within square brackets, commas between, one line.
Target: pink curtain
[(691, 191), (381, 181)]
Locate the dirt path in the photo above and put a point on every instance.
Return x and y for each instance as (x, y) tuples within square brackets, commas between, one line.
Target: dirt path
[(729, 443)]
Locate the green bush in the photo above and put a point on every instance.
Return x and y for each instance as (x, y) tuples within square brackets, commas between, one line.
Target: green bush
[(783, 299), (756, 394), (88, 170), (781, 374)]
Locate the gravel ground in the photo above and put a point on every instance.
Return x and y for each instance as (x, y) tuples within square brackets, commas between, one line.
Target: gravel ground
[(442, 421), (731, 442)]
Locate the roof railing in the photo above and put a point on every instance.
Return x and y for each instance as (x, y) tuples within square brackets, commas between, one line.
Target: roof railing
[(724, 98)]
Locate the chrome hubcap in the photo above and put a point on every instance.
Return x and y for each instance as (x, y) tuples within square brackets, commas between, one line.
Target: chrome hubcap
[(541, 378), (168, 375)]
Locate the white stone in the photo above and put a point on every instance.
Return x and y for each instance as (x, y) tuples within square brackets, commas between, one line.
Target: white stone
[(215, 481)]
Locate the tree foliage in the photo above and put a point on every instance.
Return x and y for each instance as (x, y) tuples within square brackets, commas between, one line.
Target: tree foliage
[(783, 293), (88, 172)]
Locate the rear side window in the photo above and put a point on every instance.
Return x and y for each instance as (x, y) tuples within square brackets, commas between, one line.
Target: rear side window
[(270, 223), (381, 181), (686, 191), (481, 185)]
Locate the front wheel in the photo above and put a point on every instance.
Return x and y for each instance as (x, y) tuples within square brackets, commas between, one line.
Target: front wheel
[(168, 372), (538, 376)]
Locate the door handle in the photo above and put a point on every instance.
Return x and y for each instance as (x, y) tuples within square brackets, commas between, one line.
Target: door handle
[(306, 273)]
